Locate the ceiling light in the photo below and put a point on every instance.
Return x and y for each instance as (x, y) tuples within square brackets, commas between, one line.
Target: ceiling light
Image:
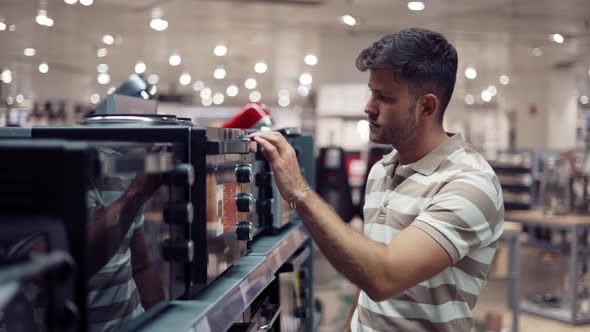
[(103, 78), (108, 39), (95, 98), (348, 20), (158, 24), (310, 60), (584, 100), (9, 100), (144, 95), (205, 93), (185, 79), (70, 2), (469, 99), (101, 52), (198, 85), (218, 98), (12, 27), (232, 91), (284, 101), (29, 52), (43, 19), (416, 5), (140, 67), (535, 51), (303, 91), (43, 67), (19, 98), (174, 60), (102, 68), (153, 79), (111, 90), (86, 2), (6, 76), (255, 96), (2, 26), (305, 79), (260, 67), (492, 89), (219, 73), (118, 40), (504, 79), (220, 50), (556, 37), (486, 96), (250, 83), (207, 101), (153, 90), (470, 73)]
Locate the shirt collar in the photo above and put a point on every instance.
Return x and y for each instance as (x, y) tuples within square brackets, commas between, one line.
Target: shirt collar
[(430, 162)]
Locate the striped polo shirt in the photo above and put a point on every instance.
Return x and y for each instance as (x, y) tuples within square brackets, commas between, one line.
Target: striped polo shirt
[(454, 196)]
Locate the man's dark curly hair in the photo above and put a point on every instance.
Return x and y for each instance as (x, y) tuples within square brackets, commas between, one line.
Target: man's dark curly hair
[(422, 58)]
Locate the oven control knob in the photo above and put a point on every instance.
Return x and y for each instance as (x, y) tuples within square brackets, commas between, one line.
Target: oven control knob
[(182, 175), (244, 231), (244, 173), (178, 250), (244, 202), (178, 213)]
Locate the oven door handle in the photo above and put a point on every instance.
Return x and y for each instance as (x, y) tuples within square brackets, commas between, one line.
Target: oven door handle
[(268, 326)]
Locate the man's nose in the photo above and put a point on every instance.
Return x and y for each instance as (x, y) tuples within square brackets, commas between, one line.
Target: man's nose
[(370, 107)]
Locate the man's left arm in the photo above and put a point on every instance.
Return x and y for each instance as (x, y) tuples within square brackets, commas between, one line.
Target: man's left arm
[(147, 279), (380, 270)]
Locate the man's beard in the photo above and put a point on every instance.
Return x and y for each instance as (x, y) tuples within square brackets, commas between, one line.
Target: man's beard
[(403, 132)]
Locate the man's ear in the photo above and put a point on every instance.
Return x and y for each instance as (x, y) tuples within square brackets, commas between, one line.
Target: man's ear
[(428, 104)]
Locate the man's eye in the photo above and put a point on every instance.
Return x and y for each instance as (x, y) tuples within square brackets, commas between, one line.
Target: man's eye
[(383, 98)]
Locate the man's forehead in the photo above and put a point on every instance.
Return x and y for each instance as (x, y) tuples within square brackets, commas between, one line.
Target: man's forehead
[(385, 77)]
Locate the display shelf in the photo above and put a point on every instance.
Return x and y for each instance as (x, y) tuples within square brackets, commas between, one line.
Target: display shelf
[(219, 305), (558, 313), (518, 173)]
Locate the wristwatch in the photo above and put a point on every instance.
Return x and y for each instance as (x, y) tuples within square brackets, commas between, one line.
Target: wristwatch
[(295, 196)]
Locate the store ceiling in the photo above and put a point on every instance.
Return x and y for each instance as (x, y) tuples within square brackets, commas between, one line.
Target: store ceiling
[(278, 32)]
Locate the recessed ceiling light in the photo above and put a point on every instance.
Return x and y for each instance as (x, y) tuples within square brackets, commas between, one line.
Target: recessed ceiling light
[(558, 38), (6, 76), (108, 39), (219, 73), (29, 52), (218, 98), (185, 79), (140, 67), (205, 93), (70, 2), (95, 98), (416, 5), (86, 2), (284, 93), (159, 24), (303, 91), (43, 67), (153, 79), (174, 60), (310, 60), (207, 101), (305, 79), (2, 26), (232, 91), (535, 51), (469, 99), (198, 85), (486, 96), (348, 20), (101, 52), (284, 101), (12, 28), (504, 79), (9, 100), (220, 50), (102, 68), (470, 72), (250, 83), (103, 78), (255, 96), (584, 100), (260, 67), (492, 89)]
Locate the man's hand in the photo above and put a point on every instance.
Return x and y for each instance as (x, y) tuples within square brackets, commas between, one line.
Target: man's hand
[(283, 160)]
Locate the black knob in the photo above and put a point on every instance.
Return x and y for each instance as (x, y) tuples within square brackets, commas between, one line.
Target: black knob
[(244, 173), (178, 213), (178, 251), (264, 206), (244, 231), (182, 175), (263, 179), (244, 202)]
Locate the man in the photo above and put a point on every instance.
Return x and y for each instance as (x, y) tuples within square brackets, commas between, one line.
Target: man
[(433, 209)]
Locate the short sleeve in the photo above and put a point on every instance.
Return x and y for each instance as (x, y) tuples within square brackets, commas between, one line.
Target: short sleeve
[(466, 214)]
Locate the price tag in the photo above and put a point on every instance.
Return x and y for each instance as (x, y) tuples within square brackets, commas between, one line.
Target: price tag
[(203, 325)]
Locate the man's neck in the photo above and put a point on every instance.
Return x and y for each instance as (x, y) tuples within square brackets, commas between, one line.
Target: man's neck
[(420, 146)]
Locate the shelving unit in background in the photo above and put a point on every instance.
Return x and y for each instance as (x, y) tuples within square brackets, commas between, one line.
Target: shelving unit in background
[(518, 173)]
